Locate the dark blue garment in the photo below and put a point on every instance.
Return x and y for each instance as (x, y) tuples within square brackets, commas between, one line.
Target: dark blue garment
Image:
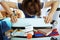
[(26, 15), (5, 38), (1, 35), (3, 28)]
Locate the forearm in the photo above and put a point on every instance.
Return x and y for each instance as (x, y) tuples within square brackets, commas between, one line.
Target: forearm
[(53, 8), (6, 7), (12, 4)]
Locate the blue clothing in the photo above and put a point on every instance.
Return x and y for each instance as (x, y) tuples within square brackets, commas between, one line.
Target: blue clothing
[(7, 20), (5, 25), (26, 15)]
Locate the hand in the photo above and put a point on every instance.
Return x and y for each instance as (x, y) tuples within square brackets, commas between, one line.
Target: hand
[(48, 19), (18, 13)]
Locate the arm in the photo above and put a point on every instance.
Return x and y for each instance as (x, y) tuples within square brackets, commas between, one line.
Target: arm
[(12, 4), (8, 10), (53, 5), (6, 7)]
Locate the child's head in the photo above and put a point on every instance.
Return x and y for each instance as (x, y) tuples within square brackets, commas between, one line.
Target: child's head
[(32, 7)]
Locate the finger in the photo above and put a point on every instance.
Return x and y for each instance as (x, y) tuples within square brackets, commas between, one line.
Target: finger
[(19, 15), (12, 20), (15, 18), (46, 20)]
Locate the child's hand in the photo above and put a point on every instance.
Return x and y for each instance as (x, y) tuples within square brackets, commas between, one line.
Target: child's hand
[(18, 13), (48, 19)]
